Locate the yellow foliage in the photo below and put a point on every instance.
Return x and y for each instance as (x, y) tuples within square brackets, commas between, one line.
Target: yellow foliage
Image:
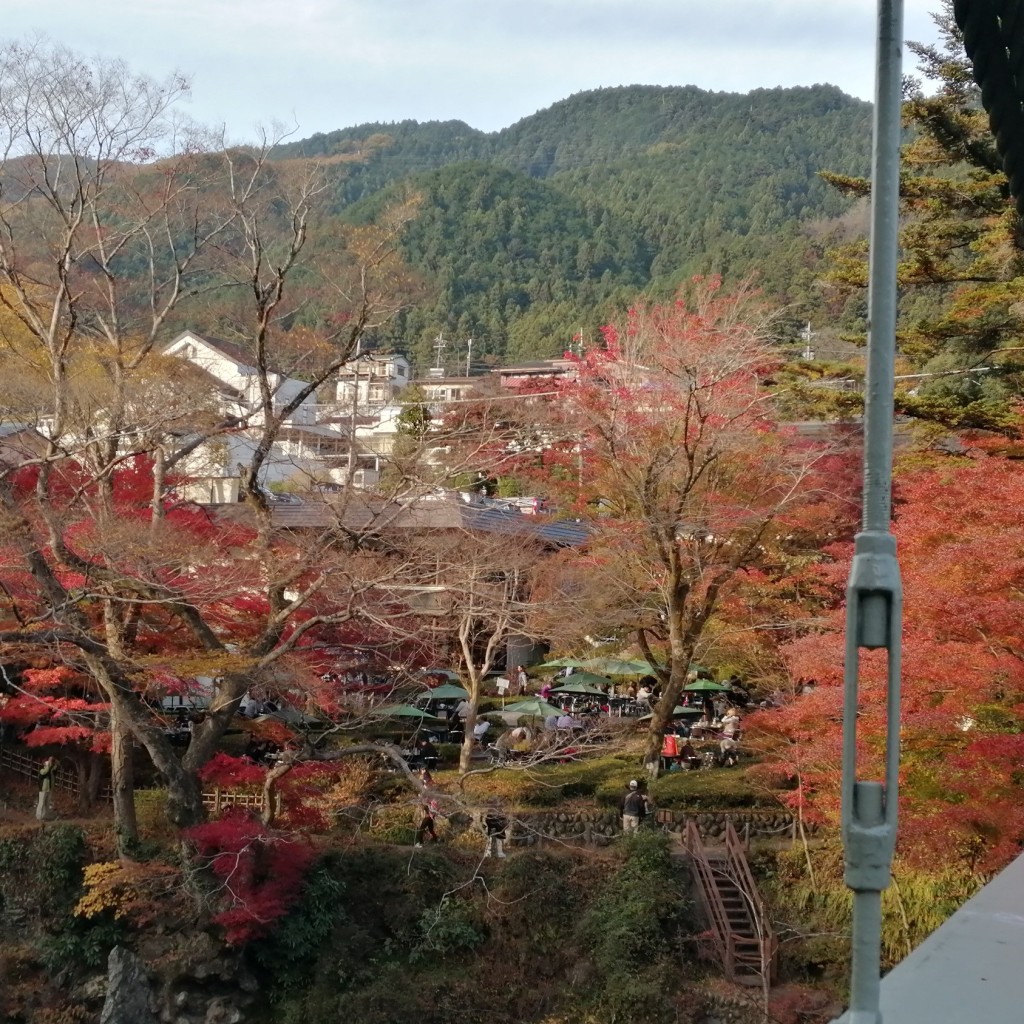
[(126, 889), (350, 787), (63, 1013), (105, 889)]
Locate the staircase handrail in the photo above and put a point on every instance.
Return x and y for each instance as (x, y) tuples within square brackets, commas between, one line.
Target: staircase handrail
[(720, 928), (739, 867)]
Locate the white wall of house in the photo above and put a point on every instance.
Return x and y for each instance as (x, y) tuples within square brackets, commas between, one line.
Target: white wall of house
[(236, 374)]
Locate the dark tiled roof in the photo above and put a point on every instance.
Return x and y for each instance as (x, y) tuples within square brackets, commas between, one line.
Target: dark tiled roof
[(364, 512)]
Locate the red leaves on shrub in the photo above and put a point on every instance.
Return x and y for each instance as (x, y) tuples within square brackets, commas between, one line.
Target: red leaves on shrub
[(260, 872)]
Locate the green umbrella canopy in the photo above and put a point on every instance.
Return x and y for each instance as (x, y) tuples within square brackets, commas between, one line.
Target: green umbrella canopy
[(446, 691), (584, 682), (706, 686), (561, 663), (676, 712), (403, 711), (531, 706), (446, 672), (619, 666)]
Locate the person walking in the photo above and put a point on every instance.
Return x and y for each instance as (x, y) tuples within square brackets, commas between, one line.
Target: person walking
[(521, 681), (426, 827), (495, 827), (44, 808), (634, 808)]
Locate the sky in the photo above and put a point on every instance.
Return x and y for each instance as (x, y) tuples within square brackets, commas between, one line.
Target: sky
[(326, 64)]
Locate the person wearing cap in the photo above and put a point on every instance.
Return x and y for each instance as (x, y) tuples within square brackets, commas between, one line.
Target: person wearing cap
[(634, 807)]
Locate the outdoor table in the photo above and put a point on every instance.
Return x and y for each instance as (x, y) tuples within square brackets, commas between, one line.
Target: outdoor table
[(704, 732)]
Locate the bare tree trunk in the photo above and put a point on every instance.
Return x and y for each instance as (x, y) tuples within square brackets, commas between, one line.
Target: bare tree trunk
[(662, 714), (468, 739), (82, 772), (184, 796), (122, 780), (94, 782), (271, 796)]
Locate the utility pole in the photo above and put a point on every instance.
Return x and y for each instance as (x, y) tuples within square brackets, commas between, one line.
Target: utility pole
[(806, 334), (352, 422), (469, 355), (440, 344), (874, 590)]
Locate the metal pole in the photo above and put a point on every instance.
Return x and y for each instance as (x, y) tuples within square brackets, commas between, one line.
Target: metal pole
[(874, 592)]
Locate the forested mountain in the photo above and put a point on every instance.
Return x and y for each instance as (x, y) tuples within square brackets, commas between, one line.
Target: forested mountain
[(529, 234)]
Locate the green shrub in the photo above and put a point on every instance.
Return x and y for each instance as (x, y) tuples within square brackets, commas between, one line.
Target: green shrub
[(450, 928), (394, 824), (44, 867), (717, 790), (289, 954), (41, 871), (82, 943), (630, 932)]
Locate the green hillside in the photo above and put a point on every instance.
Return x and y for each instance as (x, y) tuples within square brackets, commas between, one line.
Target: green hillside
[(528, 234)]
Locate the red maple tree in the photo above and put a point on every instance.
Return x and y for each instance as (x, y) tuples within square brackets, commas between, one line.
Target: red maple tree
[(961, 550)]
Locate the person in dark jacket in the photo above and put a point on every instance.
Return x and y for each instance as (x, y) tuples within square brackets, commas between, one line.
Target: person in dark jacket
[(635, 806), (428, 752), (426, 827), (495, 828)]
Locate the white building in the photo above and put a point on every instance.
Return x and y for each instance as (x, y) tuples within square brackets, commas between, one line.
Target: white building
[(233, 367), (374, 380), (309, 447)]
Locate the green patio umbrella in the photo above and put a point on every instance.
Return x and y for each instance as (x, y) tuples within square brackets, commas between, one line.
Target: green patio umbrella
[(446, 672), (618, 666), (706, 686), (403, 711), (584, 683), (676, 712), (532, 706), (561, 663), (446, 691)]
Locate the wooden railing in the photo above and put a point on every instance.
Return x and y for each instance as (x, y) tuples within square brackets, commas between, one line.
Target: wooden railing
[(743, 878), (721, 933), (744, 942), (215, 799), (23, 764)]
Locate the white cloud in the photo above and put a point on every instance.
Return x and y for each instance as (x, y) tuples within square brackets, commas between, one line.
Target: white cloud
[(332, 63)]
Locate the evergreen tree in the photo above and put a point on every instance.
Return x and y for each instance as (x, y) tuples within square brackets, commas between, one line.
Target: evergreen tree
[(962, 266)]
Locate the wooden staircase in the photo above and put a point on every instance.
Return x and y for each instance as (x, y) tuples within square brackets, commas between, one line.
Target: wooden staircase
[(741, 934)]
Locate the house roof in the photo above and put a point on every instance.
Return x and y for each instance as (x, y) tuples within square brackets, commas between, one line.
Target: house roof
[(19, 442), (361, 512), (552, 367), (231, 349), (189, 371)]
